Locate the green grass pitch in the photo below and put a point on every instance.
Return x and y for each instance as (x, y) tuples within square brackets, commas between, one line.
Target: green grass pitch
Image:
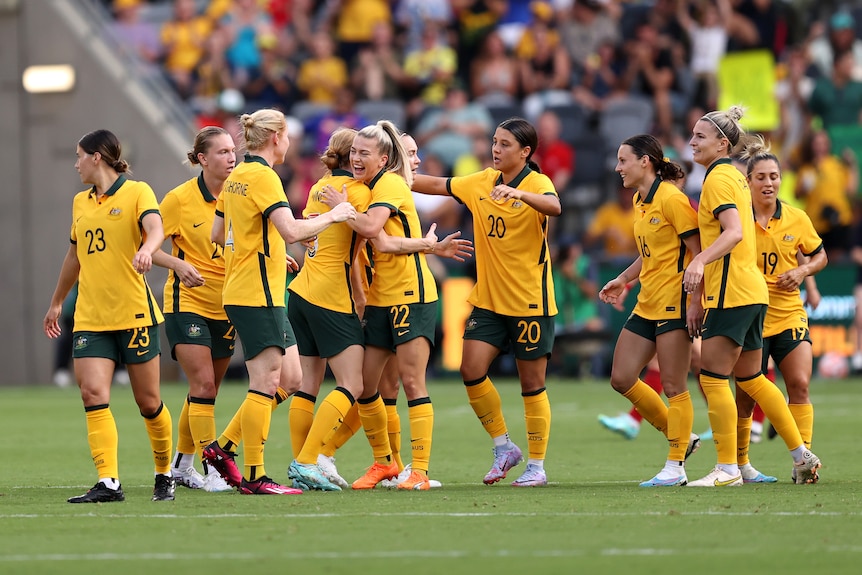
[(592, 518)]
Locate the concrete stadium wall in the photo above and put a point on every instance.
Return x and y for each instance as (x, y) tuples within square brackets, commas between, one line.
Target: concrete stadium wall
[(37, 156)]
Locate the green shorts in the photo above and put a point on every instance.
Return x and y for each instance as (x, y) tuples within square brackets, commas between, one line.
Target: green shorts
[(528, 337), (195, 329), (259, 328), (652, 328), (128, 346), (389, 327), (744, 325), (321, 332), (780, 345)]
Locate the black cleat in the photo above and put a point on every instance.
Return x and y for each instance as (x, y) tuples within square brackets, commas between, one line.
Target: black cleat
[(99, 493), (771, 433), (164, 489)]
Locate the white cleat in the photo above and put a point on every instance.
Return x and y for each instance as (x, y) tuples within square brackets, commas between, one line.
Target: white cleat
[(718, 478), (405, 473), (214, 483), (188, 477), (327, 466)]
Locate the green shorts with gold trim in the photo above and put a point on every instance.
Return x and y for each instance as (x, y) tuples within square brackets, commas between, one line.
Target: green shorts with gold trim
[(194, 329), (744, 325), (527, 337), (389, 327), (128, 346), (321, 332), (259, 328)]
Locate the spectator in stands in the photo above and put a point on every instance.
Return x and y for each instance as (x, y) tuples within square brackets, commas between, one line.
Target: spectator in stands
[(494, 74), (184, 40), (474, 20), (762, 24), (449, 131), (840, 37), (377, 72), (707, 34), (211, 76), (343, 114), (600, 79), (827, 182), (273, 83), (589, 26), (412, 15), (431, 69), (610, 231), (544, 65), (837, 99), (323, 74), (651, 72), (139, 38), (792, 90), (353, 22), (555, 155), (244, 26), (575, 289)]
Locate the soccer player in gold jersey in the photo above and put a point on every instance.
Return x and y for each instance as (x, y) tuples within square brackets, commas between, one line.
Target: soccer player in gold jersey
[(253, 221), (735, 298), (513, 299), (116, 228), (789, 252), (665, 229)]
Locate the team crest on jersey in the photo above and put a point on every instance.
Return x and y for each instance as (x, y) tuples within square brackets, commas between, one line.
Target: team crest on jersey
[(654, 220), (81, 342), (517, 204), (194, 330), (471, 324), (115, 213), (788, 238)]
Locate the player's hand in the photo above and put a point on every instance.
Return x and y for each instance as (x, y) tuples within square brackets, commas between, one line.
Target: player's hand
[(51, 323), (292, 264), (693, 275), (143, 261), (190, 276), (343, 212), (613, 291), (452, 246), (332, 197)]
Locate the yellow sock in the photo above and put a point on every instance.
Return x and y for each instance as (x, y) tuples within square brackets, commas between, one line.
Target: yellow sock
[(103, 439), (722, 415), (160, 432), (300, 415), (537, 414), (393, 430), (256, 417), (680, 418), (327, 420), (185, 440), (803, 415), (743, 439), (232, 434), (348, 429), (486, 403), (201, 416), (372, 412), (421, 414), (280, 397), (773, 404), (649, 404)]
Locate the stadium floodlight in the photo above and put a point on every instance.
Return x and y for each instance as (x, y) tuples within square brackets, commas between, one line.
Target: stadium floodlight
[(49, 79)]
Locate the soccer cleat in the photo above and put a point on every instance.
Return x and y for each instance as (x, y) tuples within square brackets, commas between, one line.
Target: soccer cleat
[(505, 458), (99, 493), (375, 474), (415, 481), (706, 435), (405, 473), (771, 432), (693, 445), (213, 483), (756, 433), (188, 477), (717, 478), (266, 486), (656, 481), (164, 488), (327, 466), (533, 476), (751, 475), (308, 476), (223, 462), (806, 468), (624, 424)]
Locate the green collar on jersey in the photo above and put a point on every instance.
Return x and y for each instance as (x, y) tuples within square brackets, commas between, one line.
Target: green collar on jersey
[(114, 187), (258, 159), (342, 172), (652, 190), (517, 179), (202, 186), (716, 163)]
